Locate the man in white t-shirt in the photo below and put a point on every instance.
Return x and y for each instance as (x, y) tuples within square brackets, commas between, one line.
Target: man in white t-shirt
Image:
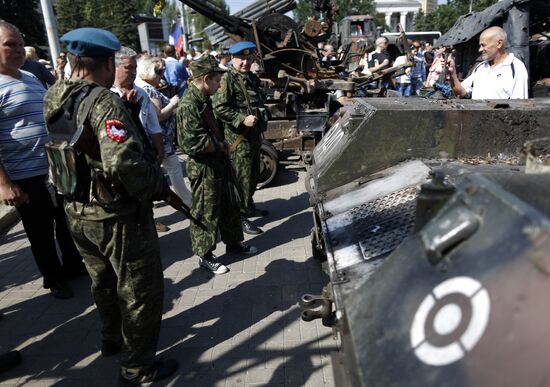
[(500, 76)]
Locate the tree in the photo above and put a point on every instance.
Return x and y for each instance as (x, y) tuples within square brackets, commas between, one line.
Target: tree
[(24, 14), (354, 7), (304, 9), (114, 15), (446, 15)]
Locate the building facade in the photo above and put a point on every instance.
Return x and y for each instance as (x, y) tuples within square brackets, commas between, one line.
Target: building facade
[(403, 12)]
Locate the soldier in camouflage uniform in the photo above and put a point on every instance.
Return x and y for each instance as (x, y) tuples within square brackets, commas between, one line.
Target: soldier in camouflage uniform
[(208, 168), (239, 104), (117, 239)]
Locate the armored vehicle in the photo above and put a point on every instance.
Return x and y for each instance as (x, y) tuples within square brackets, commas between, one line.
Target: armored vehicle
[(434, 238)]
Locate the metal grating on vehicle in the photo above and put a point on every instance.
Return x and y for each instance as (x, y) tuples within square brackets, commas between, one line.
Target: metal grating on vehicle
[(383, 223)]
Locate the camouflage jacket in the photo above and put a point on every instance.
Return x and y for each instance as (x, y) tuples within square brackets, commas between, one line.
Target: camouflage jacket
[(230, 102), (193, 135), (125, 160)]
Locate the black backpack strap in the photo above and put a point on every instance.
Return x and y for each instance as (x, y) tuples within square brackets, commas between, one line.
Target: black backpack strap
[(513, 70)]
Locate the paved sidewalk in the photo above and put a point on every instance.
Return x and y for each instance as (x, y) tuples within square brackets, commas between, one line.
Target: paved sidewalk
[(238, 329)]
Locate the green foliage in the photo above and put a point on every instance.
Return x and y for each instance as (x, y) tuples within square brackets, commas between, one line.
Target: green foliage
[(24, 14), (304, 9), (447, 14), (354, 7), (113, 15)]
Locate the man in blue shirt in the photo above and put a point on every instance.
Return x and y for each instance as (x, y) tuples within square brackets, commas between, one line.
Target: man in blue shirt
[(175, 72)]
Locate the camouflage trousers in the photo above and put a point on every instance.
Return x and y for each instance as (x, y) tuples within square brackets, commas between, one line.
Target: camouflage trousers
[(214, 206), (246, 162), (123, 259)]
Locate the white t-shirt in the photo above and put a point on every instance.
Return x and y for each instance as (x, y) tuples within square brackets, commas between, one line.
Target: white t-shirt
[(507, 80), (406, 77)]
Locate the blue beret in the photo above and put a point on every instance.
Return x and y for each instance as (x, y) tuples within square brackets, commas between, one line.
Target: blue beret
[(242, 48), (91, 42)]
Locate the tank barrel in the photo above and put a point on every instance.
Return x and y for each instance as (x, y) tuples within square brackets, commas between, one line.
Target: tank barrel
[(231, 24)]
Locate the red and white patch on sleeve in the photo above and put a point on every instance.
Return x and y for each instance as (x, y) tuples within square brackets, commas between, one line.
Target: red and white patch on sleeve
[(116, 130)]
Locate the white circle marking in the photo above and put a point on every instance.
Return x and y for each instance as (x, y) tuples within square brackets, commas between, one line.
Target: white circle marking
[(448, 319)]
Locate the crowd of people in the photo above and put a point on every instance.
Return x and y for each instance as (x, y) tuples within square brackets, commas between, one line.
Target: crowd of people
[(425, 59), (431, 65), (103, 128)]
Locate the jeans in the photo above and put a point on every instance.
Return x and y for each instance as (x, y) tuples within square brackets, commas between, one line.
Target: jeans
[(404, 89), (416, 85), (172, 166)]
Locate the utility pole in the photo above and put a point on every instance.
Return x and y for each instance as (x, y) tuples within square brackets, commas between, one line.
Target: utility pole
[(51, 28), (185, 25)]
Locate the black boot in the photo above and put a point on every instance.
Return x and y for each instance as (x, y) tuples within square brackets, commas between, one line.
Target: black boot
[(249, 227), (60, 289), (161, 369)]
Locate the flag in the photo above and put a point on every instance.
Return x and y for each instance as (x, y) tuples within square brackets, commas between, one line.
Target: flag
[(176, 37)]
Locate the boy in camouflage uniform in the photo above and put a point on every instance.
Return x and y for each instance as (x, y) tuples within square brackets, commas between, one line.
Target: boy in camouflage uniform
[(208, 168), (238, 104), (117, 239)]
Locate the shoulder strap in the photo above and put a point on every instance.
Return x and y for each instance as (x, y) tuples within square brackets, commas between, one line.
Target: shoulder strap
[(513, 70), (88, 102)]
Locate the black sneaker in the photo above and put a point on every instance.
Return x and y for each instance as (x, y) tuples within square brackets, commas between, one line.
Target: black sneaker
[(161, 370), (209, 262), (61, 290), (241, 248), (110, 347), (9, 360), (249, 227)]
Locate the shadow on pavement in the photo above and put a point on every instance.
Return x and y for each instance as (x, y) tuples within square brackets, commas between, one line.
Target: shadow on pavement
[(236, 326), (285, 176)]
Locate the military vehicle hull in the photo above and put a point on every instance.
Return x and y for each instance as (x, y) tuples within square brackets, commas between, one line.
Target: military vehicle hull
[(438, 291)]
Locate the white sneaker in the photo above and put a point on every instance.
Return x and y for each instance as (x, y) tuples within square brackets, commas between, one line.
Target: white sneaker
[(213, 266)]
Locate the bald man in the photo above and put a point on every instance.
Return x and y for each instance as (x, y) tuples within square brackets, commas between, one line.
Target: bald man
[(500, 76)]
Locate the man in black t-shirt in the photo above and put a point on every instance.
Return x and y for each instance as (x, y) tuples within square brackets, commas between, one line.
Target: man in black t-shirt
[(379, 60)]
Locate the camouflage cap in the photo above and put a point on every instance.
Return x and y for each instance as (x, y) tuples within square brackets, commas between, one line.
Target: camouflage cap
[(205, 65)]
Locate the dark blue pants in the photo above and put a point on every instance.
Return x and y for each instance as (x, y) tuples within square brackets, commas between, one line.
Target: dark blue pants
[(45, 223)]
